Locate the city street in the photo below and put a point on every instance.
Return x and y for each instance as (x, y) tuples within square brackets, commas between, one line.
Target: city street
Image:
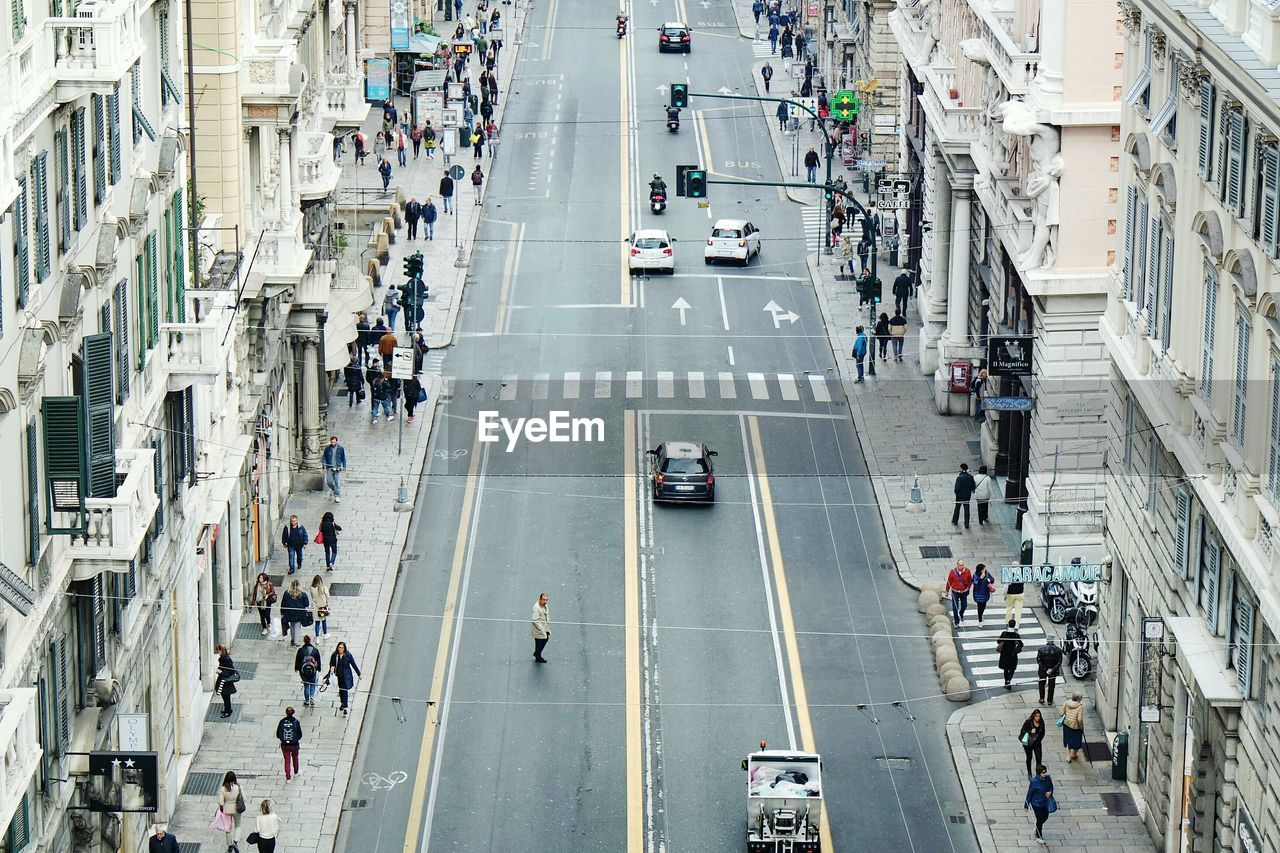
[(681, 636)]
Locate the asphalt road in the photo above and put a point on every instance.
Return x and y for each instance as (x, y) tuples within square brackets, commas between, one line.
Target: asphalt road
[(682, 636)]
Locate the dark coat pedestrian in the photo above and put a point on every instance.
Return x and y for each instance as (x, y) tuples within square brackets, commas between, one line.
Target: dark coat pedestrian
[(757, 9), (773, 36), (329, 530), (412, 213), (162, 841), (384, 169), (783, 115), (446, 192), (224, 683), (354, 382), (963, 489), (1009, 645), (492, 88), (289, 733), (295, 610), (983, 585), (412, 387), (882, 336), (1048, 666), (294, 538), (766, 74), (1039, 798), (1031, 736), (362, 338), (344, 670), (903, 289), (415, 135)]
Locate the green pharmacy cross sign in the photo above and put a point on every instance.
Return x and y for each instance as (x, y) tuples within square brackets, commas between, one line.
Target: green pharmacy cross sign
[(844, 106)]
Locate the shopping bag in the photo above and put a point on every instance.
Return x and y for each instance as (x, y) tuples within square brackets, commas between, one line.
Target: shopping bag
[(319, 540), (221, 821)]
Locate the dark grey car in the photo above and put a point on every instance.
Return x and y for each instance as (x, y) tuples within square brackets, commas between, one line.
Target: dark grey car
[(682, 471)]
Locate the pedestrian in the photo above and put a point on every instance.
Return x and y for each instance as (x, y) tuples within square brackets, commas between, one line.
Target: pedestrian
[(389, 112), (799, 43), (492, 88), (1040, 799), (785, 41), (902, 290), (486, 110), (295, 610), (289, 733), (355, 382), (429, 137), (766, 74), (412, 389), (342, 666), (429, 217), (446, 192), (773, 37), (864, 253), (847, 254), (1048, 662), (307, 664), (361, 148), (811, 165), (393, 393), (402, 148), (898, 332), (1013, 596), (1009, 645), (983, 489), (540, 628), (162, 841), (379, 148), (457, 8), (415, 136), (267, 825), (1072, 723), (384, 169), (1031, 736), (882, 336), (378, 397), (783, 115), (231, 803), (320, 601), (412, 213), (477, 142), (262, 597), (964, 487), (329, 530), (491, 134), (334, 459), (224, 682), (386, 344), (757, 9), (959, 582), (983, 586), (860, 350), (294, 539), (363, 338), (391, 306), (806, 91), (978, 388)]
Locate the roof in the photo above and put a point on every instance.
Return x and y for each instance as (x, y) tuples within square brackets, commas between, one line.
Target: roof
[(1233, 47), (684, 450), (652, 232), (729, 223), (675, 25)]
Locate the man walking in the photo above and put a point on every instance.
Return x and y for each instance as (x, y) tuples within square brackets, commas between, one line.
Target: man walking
[(335, 462), (541, 628), (412, 213), (1048, 662), (766, 74), (964, 488), (811, 165), (860, 351), (289, 733), (773, 38), (446, 192), (162, 841), (1009, 645), (902, 291), (757, 9), (1013, 596), (429, 216), (294, 539), (959, 582), (307, 664), (477, 182), (783, 116)]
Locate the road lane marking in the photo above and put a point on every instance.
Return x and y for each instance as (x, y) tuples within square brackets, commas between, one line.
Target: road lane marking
[(514, 244), (818, 384), (541, 385), (571, 382), (759, 390), (624, 138), (724, 309), (731, 361), (551, 30), (787, 384), (466, 523), (697, 386), (807, 742), (631, 635), (603, 380), (510, 386), (772, 277), (666, 384), (727, 389), (635, 383)]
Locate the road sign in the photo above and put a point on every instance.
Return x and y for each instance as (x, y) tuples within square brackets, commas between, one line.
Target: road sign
[(457, 172), (1007, 404), (402, 363), (844, 106)]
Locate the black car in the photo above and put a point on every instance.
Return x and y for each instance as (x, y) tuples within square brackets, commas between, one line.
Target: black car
[(682, 471), (675, 36)]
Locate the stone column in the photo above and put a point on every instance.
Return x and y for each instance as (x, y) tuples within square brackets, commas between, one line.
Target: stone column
[(287, 207), (1053, 24), (958, 269), (309, 473), (353, 41)]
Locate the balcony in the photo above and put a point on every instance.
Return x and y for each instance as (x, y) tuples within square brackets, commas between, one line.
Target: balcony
[(1008, 211), (342, 104), (1016, 67), (192, 350), (20, 742), (317, 173), (272, 73), (954, 123), (95, 49), (116, 526), (911, 30)]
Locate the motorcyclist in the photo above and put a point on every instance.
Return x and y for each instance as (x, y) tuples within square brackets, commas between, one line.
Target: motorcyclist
[(657, 185), (622, 23), (673, 114)]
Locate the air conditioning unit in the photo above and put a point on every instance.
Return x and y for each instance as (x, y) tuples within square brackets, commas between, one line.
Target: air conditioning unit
[(106, 692)]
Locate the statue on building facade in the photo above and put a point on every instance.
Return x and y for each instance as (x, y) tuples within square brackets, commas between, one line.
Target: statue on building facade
[(1043, 187)]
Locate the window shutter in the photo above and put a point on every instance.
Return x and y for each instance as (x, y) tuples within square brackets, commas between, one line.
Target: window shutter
[(1242, 379), (1235, 162), (99, 625), (1166, 312), (1140, 244), (1210, 322), (33, 493), (1273, 462), (189, 436), (1212, 573), (62, 192), (99, 155), (1207, 104), (1153, 472), (169, 285), (180, 252), (21, 244), (20, 823), (56, 690), (1131, 213), (18, 20), (100, 414), (1269, 198), (79, 181), (41, 184), (123, 369), (158, 444), (140, 279), (1244, 645), (113, 133), (65, 458), (1147, 287), (153, 292), (1182, 538), (64, 688), (1128, 434)]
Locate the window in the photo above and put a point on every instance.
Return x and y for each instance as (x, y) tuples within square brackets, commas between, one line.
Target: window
[(181, 432), (113, 134), (1182, 534), (18, 20), (1242, 631), (1268, 197), (33, 492), (79, 182), (1240, 386), (1166, 270), (21, 244), (123, 368), (1151, 285), (1153, 472), (1210, 570), (140, 124), (1210, 321), (179, 256), (1233, 161), (1131, 224), (1140, 89), (157, 444), (100, 413), (168, 91), (1128, 433), (1208, 103), (19, 835), (65, 462), (40, 183), (62, 191), (1140, 244), (1273, 457), (147, 278), (1164, 123), (97, 151)]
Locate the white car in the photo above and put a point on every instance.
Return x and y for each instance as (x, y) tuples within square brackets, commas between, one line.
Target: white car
[(735, 239), (651, 249)]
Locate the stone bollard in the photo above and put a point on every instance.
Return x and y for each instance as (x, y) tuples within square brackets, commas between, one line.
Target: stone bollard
[(925, 599), (941, 619), (374, 271), (945, 652), (383, 251), (932, 586), (389, 227), (934, 610), (958, 689), (397, 214), (948, 671)]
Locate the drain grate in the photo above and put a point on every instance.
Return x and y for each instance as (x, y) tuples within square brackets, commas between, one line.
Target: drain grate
[(250, 629), (410, 558), (188, 847), (958, 818), (1120, 805), (345, 589), (1097, 751), (357, 804), (894, 762), (935, 552), (248, 669), (214, 714), (202, 784)]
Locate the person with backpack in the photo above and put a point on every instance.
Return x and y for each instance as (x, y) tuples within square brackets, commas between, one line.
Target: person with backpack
[(307, 664), (429, 137), (295, 610), (289, 733), (378, 392), (477, 182), (1009, 646), (757, 9), (415, 135), (477, 142), (231, 803), (959, 582)]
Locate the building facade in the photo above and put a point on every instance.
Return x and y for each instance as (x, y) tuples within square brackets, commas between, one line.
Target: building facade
[(858, 52), (1193, 500)]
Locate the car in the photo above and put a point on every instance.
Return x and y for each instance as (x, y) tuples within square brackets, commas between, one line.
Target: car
[(682, 471), (674, 35), (651, 249), (735, 239)]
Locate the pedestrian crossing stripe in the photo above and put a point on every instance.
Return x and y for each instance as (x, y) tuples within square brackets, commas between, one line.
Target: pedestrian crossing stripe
[(812, 216), (666, 385), (977, 649), (760, 49)]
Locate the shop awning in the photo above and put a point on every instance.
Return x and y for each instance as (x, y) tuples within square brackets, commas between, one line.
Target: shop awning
[(349, 295), (1203, 657), (423, 43)]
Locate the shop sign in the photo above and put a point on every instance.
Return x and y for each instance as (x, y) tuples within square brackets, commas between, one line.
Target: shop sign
[(1047, 573), (1009, 355), (377, 79), (399, 24), (1247, 833)]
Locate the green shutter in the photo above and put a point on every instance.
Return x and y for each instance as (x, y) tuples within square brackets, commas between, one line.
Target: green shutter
[(122, 340), (64, 688), (66, 461), (180, 252), (21, 242), (113, 133), (153, 292), (79, 182), (62, 191), (168, 267), (20, 826), (100, 414), (33, 492), (140, 279), (18, 19), (40, 175), (158, 444)]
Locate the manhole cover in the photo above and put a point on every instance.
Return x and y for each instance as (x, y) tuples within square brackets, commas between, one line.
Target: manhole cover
[(1120, 805), (202, 784), (893, 762), (250, 630), (345, 589), (1097, 751), (214, 714), (935, 552)]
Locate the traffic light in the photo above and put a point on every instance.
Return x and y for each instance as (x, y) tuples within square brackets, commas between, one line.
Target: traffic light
[(877, 290), (696, 183), (413, 266), (680, 95)]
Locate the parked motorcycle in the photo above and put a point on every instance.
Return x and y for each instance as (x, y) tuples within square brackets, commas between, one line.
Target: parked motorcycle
[(1053, 596), (622, 27), (657, 201), (1082, 603), (1076, 646)]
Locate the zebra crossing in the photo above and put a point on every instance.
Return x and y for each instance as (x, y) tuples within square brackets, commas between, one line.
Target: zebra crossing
[(801, 388), (760, 48), (977, 646), (812, 216)]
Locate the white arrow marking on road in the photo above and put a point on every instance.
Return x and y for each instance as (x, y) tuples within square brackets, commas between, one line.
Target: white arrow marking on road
[(663, 90), (682, 307), (779, 313), (705, 4), (725, 90)]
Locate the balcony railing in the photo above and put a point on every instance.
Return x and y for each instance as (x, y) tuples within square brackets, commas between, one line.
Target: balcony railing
[(192, 350), (93, 50), (116, 526), (343, 104), (268, 72), (20, 742), (1015, 66), (955, 122), (317, 173)]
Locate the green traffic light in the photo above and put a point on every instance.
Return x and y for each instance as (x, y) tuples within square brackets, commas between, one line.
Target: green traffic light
[(696, 181), (680, 95)]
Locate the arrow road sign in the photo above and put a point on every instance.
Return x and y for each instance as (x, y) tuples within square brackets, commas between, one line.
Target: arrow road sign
[(682, 307), (779, 313)]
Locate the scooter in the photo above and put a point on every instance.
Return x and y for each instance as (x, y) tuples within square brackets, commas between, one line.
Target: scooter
[(673, 121), (1053, 595), (1076, 647), (657, 201), (622, 27), (1082, 603)]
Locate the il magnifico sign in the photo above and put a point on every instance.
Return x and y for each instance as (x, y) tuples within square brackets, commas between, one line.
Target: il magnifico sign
[(1047, 573)]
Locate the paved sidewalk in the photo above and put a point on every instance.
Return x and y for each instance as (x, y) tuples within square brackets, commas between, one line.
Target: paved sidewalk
[(990, 762)]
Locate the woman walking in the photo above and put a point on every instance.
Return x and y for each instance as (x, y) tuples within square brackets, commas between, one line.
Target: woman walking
[(231, 801), (882, 338), (982, 493), (329, 530), (1030, 737), (983, 586), (1009, 645), (477, 142), (262, 597), (1072, 722), (412, 389), (293, 606), (266, 827), (320, 601), (342, 665), (898, 332), (225, 682), (1040, 799)]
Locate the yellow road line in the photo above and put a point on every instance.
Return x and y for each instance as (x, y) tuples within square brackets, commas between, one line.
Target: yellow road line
[(631, 636), (508, 270), (551, 30), (684, 16), (704, 139), (807, 742), (419, 799), (624, 137)]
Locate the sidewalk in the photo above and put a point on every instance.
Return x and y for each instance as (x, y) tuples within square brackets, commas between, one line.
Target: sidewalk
[(1095, 813)]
